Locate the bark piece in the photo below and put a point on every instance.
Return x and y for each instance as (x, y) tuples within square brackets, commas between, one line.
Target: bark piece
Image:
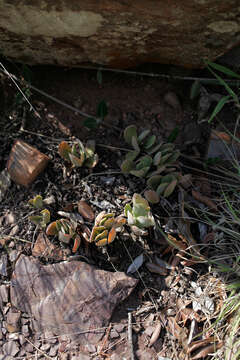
[(68, 297), (25, 163)]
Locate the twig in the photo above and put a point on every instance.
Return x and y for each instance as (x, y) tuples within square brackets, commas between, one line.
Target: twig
[(42, 352), (162, 76), (13, 78), (130, 336)]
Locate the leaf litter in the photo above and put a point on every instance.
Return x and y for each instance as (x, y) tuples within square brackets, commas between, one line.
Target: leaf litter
[(166, 263)]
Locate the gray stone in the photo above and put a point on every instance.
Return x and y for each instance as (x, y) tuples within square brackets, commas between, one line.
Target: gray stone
[(29, 348), (119, 327), (11, 348), (114, 334), (4, 293), (4, 265), (45, 347), (53, 351), (68, 297), (25, 330), (22, 339), (13, 255), (5, 183), (90, 348), (81, 356), (13, 317)]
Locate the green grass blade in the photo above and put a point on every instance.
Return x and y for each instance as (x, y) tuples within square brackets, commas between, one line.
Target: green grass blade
[(223, 69), (219, 107), (223, 83)]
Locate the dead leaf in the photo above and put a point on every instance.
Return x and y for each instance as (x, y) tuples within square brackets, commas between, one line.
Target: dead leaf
[(86, 211), (207, 350), (155, 334), (154, 268), (136, 264), (204, 199)]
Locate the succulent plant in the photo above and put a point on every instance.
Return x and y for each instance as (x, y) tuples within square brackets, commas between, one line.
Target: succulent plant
[(78, 154), (105, 228), (151, 161), (41, 220), (36, 202), (65, 230), (139, 214)]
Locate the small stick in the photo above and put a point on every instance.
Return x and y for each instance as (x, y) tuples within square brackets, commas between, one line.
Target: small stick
[(41, 352), (130, 335)]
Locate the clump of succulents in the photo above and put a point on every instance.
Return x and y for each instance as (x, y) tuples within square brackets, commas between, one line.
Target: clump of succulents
[(139, 216), (151, 161), (43, 218), (105, 228), (65, 230), (78, 154)]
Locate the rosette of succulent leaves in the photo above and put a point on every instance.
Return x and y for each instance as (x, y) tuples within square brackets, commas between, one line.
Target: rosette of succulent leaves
[(43, 218), (78, 154), (139, 216), (105, 228), (156, 162)]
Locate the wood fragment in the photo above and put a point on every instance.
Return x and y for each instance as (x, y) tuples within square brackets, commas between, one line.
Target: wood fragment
[(130, 336)]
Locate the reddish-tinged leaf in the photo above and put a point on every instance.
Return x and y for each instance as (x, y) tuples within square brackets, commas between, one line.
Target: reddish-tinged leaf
[(77, 242), (52, 229), (102, 242), (64, 150), (111, 235)]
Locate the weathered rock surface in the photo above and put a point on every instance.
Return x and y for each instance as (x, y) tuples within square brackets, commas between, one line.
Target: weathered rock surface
[(68, 297), (118, 33)]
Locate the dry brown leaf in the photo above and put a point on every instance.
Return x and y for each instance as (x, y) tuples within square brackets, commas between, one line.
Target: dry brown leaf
[(204, 199), (198, 343), (155, 334), (220, 135), (85, 210), (154, 268), (207, 350), (175, 329)]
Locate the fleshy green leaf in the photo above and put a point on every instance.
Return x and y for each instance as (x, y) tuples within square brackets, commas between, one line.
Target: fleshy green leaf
[(135, 144), (170, 188), (157, 158), (143, 135), (78, 162), (99, 76), (129, 132), (161, 188), (127, 209), (140, 173), (127, 166), (174, 134), (149, 142), (154, 181), (144, 161), (131, 155), (36, 202)]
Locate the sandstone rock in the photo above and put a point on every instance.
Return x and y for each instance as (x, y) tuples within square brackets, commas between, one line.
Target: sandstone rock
[(44, 248), (3, 265), (68, 297), (4, 292), (25, 163), (118, 33), (11, 348)]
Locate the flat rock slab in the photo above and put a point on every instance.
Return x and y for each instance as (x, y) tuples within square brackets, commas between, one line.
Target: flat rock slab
[(68, 297)]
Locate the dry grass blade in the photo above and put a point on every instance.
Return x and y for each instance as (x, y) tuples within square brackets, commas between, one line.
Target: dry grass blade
[(204, 199)]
